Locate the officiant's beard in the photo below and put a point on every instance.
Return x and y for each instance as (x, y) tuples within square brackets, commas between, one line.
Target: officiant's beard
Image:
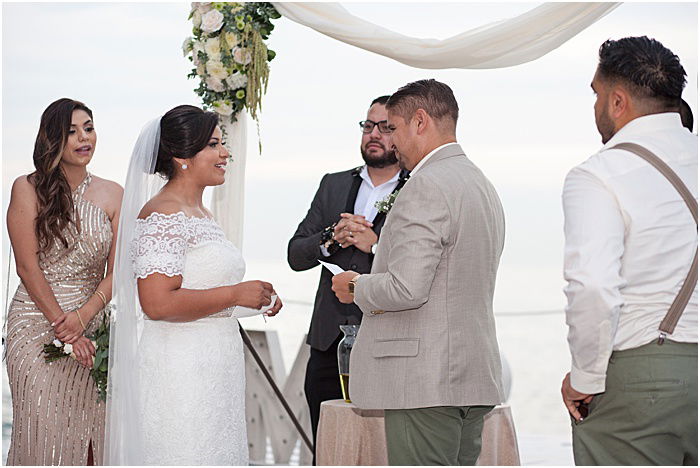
[(387, 158)]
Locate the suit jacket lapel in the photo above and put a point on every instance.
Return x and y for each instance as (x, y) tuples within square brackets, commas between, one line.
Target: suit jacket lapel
[(352, 195)]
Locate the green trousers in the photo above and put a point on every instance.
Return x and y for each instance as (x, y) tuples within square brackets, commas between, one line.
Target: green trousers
[(444, 435), (648, 414)]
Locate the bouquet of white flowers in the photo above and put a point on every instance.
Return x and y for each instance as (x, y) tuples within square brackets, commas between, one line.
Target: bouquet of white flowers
[(100, 340)]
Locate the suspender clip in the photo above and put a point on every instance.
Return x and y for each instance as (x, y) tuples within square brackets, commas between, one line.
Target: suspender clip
[(662, 338)]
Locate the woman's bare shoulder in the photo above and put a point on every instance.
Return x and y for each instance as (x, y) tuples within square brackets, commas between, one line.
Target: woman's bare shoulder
[(162, 205), (109, 186), (23, 190)]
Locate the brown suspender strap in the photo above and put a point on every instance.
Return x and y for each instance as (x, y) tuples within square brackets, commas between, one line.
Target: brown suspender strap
[(668, 324)]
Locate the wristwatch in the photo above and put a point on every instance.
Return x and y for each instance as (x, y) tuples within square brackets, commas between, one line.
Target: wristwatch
[(351, 285), (373, 249)]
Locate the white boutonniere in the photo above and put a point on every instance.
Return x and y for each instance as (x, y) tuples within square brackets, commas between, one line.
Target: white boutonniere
[(383, 206)]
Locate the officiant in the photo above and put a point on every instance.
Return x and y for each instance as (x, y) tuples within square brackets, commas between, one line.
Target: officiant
[(343, 226)]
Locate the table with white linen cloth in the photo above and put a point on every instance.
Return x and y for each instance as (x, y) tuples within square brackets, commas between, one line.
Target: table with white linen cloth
[(348, 435)]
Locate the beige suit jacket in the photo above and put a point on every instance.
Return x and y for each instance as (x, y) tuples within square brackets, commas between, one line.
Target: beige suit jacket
[(428, 336)]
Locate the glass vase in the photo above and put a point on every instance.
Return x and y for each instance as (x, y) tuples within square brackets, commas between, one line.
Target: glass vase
[(344, 348)]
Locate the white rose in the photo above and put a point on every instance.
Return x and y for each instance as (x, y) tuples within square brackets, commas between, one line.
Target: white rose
[(186, 46), (201, 70), (197, 47), (214, 84), (67, 348), (217, 70), (222, 108), (213, 48), (202, 7), (57, 343), (231, 39), (212, 21), (196, 19), (241, 56), (237, 80)]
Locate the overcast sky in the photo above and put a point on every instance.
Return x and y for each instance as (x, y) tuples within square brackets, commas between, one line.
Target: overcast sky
[(525, 126)]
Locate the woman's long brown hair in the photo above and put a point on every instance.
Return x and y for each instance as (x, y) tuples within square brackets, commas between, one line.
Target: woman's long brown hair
[(55, 203)]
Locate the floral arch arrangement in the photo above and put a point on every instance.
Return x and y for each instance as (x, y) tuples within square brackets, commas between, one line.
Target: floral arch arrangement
[(229, 54)]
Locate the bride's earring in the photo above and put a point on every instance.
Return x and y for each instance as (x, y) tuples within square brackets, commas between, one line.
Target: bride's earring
[(184, 166)]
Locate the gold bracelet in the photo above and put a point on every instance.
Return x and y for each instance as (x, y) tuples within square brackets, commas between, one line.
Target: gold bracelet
[(77, 312), (102, 297)]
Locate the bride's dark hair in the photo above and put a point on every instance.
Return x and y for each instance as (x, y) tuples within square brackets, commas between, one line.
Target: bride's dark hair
[(184, 132), (55, 204)]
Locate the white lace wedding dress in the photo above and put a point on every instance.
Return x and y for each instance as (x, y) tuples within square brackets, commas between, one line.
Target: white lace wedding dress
[(192, 376)]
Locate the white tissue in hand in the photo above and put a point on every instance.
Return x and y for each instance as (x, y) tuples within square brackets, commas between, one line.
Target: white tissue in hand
[(264, 309), (240, 311)]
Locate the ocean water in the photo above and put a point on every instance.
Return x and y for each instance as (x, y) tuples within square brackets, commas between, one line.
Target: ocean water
[(532, 342)]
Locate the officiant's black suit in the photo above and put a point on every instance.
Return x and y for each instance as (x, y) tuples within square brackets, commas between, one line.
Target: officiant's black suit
[(336, 194)]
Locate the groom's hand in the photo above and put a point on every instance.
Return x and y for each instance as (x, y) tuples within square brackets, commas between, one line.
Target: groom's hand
[(340, 286)]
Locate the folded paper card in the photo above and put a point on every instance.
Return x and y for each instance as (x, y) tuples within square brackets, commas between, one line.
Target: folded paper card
[(335, 269)]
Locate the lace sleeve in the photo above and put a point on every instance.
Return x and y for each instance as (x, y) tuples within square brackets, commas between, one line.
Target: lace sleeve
[(159, 245)]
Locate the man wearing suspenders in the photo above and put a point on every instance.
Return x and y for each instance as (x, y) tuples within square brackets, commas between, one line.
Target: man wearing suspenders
[(631, 236)]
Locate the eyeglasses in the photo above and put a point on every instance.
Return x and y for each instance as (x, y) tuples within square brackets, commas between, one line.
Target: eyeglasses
[(367, 126)]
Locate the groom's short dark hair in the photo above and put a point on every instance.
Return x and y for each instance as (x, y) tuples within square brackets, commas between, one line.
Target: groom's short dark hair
[(435, 98)]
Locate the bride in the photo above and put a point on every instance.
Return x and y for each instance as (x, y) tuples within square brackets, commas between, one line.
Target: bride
[(176, 379)]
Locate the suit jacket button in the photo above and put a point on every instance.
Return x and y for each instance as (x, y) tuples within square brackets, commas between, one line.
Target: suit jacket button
[(353, 267), (377, 312)]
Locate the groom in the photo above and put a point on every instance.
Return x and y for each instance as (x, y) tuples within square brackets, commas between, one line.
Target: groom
[(426, 351)]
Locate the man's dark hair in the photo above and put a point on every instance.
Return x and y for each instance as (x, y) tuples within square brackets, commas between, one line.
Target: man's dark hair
[(433, 97), (380, 100), (648, 69), (686, 115)]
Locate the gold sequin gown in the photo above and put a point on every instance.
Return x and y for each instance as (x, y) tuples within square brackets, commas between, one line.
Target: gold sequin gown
[(55, 410)]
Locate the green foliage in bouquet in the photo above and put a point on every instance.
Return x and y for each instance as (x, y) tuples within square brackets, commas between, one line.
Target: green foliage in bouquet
[(55, 350), (229, 54), (101, 362)]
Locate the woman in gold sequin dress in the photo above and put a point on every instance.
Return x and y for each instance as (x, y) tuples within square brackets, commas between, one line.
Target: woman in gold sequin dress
[(62, 224)]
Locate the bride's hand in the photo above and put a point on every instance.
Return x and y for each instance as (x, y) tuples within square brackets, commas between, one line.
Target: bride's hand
[(252, 294), (278, 305)]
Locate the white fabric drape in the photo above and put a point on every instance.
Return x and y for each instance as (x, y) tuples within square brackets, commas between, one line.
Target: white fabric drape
[(227, 204), (501, 44)]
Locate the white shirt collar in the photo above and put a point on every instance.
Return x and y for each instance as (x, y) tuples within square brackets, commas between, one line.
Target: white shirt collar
[(422, 161), (644, 125), (364, 173)]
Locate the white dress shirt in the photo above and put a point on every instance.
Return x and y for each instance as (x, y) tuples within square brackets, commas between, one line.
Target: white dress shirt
[(630, 241), (368, 195)]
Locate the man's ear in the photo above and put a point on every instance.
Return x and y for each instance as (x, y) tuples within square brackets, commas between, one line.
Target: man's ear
[(619, 102), (421, 119)]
